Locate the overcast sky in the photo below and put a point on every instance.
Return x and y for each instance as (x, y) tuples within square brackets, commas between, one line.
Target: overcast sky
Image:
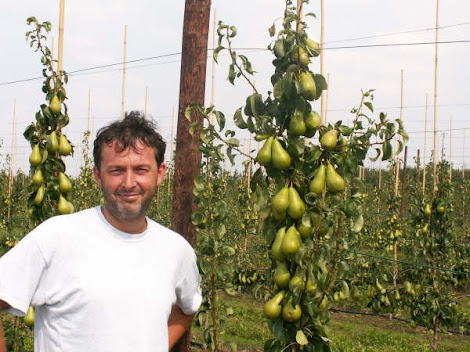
[(354, 29)]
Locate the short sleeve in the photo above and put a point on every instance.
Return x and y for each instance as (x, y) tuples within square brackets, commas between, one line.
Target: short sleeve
[(188, 289), (21, 270)]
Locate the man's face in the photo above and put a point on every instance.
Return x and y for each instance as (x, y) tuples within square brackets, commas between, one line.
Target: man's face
[(129, 180)]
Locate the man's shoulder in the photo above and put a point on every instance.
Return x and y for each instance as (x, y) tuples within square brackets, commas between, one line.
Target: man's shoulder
[(160, 232)]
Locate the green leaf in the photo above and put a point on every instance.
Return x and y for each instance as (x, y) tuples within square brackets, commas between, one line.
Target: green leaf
[(238, 119), (231, 74), (246, 64), (301, 338), (369, 106), (233, 142), (272, 30), (220, 117), (231, 156), (219, 151), (357, 224), (216, 52), (233, 31), (386, 150)]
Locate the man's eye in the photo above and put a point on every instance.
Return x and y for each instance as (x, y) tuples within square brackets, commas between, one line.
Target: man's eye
[(115, 171), (142, 170)]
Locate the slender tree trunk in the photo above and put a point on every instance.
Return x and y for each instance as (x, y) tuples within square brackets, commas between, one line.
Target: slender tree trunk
[(192, 89)]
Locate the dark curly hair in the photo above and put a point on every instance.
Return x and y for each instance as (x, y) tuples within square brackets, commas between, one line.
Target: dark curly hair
[(126, 133)]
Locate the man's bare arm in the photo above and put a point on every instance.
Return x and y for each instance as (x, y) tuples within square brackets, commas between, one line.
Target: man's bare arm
[(3, 306), (178, 324)]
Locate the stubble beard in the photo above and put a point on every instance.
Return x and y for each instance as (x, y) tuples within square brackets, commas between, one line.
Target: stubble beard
[(121, 211)]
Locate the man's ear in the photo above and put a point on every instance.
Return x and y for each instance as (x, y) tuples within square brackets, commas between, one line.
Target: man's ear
[(161, 174), (96, 174)]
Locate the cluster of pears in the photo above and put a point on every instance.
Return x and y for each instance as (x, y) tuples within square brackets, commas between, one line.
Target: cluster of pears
[(326, 176), (53, 146), (301, 125), (273, 153)]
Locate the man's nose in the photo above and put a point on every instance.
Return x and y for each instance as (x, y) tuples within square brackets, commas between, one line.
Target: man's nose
[(129, 179)]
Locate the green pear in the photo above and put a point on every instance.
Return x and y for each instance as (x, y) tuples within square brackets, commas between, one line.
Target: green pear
[(279, 48), (313, 46), (264, 154), (308, 87), (305, 227), (291, 313), (64, 206), (35, 157), (54, 106), (317, 185), (313, 121), (291, 242), (296, 282), (38, 177), (280, 158), (40, 195), (301, 56), (272, 308), (280, 201), (334, 181), (296, 205), (276, 250), (281, 275), (52, 143), (29, 317), (297, 126), (329, 140), (64, 183), (65, 148)]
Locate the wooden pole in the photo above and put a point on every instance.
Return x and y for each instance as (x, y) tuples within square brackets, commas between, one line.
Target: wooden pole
[(12, 164), (89, 124), (418, 166), (322, 57), (187, 154), (192, 88), (425, 141), (380, 174), (435, 183), (170, 175), (397, 170), (450, 149), (463, 157), (123, 95), (61, 37), (402, 218), (326, 99)]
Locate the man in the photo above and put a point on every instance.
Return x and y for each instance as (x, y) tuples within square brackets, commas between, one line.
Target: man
[(107, 278)]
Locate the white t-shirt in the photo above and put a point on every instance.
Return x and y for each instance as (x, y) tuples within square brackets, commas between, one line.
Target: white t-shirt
[(96, 288)]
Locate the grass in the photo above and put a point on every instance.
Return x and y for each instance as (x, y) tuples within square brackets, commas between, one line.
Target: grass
[(247, 327)]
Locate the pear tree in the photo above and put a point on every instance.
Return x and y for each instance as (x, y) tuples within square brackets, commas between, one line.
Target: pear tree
[(305, 192), (49, 183)]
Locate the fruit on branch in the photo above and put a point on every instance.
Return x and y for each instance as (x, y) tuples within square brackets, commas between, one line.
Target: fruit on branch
[(39, 195), (317, 185), (29, 317), (297, 125), (272, 308), (55, 105), (427, 210), (38, 177), (296, 282), (313, 121), (35, 157), (64, 206), (52, 142), (281, 275), (334, 181), (276, 250), (291, 313), (65, 148), (64, 183), (329, 139), (291, 242), (264, 154), (296, 206), (305, 227), (308, 87), (300, 56), (313, 46), (280, 201), (279, 157)]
